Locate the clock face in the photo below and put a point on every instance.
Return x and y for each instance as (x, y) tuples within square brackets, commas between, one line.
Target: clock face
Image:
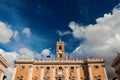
[(60, 51)]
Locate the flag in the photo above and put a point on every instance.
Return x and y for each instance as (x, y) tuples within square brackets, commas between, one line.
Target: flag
[(48, 56), (67, 57)]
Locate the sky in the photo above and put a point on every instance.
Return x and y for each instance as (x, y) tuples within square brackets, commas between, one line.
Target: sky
[(31, 28)]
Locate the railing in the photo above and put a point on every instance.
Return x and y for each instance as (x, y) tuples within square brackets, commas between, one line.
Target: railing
[(62, 61), (94, 59), (24, 60)]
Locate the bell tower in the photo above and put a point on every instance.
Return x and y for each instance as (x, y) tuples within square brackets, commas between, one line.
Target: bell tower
[(60, 50)]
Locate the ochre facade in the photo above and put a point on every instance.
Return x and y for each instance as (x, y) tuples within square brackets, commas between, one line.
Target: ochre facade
[(3, 66), (116, 65), (60, 69)]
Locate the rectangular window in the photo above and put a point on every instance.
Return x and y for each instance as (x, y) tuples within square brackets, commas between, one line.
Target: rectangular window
[(20, 78), (48, 68), (96, 66), (36, 68), (83, 67), (98, 78), (60, 55), (35, 78), (60, 47), (23, 67), (72, 68), (60, 68)]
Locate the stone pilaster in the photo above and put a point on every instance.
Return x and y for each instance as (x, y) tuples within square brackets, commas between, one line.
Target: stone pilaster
[(78, 72), (42, 73), (90, 72), (53, 73), (66, 73), (30, 73)]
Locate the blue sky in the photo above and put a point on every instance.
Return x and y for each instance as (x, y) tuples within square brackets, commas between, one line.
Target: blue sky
[(46, 17), (31, 28)]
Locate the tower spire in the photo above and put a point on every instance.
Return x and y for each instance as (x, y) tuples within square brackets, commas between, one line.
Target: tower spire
[(60, 39)]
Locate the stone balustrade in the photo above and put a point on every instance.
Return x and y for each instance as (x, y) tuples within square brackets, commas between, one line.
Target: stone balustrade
[(95, 59), (57, 61)]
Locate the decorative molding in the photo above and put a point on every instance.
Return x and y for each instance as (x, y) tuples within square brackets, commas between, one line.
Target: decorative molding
[(66, 66), (103, 65), (30, 66), (52, 67), (77, 66), (41, 66)]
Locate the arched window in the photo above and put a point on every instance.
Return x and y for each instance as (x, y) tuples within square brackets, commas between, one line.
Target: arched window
[(36, 78), (60, 47), (36, 68), (98, 77), (22, 67), (20, 78)]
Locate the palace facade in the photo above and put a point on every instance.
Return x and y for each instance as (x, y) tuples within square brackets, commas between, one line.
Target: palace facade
[(60, 68), (3, 66), (116, 65)]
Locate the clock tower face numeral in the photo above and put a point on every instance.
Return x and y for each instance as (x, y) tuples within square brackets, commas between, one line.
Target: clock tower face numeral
[(60, 50)]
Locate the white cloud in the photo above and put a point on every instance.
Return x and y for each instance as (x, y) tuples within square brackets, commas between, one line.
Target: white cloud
[(46, 52), (27, 32), (101, 39), (60, 33), (21, 53), (5, 33), (10, 57), (26, 53), (16, 35)]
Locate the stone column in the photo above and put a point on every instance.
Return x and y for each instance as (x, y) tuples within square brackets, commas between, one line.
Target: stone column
[(42, 73), (30, 73), (90, 72), (53, 73), (14, 72), (105, 74), (1, 75), (67, 71), (78, 73)]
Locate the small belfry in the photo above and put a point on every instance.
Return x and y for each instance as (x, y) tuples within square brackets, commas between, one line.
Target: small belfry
[(60, 50)]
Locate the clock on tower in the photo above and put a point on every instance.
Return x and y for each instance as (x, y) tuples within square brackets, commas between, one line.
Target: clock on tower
[(60, 50)]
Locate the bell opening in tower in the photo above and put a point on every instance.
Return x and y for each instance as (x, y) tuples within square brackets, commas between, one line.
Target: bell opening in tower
[(60, 55), (60, 50), (60, 47)]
